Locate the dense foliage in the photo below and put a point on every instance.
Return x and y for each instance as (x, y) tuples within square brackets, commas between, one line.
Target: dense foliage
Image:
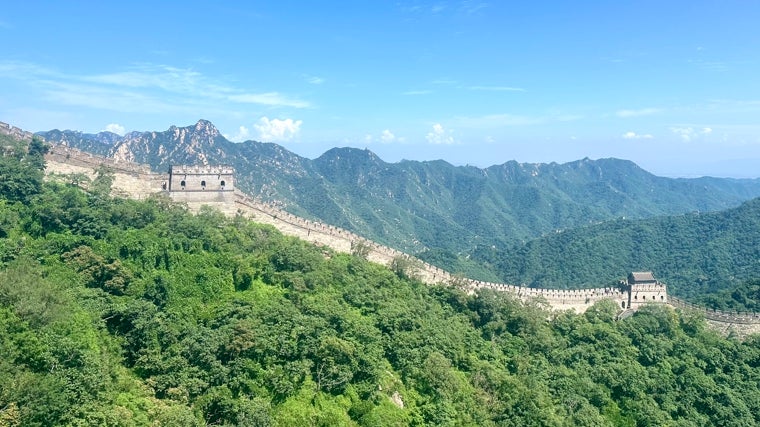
[(745, 297), (694, 254), (126, 313)]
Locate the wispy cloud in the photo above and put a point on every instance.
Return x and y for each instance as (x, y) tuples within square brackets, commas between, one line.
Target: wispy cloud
[(438, 8), (466, 7), (634, 135), (496, 88), (269, 98), (444, 81), (104, 98), (637, 113), (315, 80), (470, 7), (688, 133), (146, 88)]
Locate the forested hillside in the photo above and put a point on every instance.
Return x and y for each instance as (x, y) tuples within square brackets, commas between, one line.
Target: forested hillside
[(441, 211), (695, 254), (126, 313)]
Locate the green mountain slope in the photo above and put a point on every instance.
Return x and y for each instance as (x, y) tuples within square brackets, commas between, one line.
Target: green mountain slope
[(130, 313), (694, 253)]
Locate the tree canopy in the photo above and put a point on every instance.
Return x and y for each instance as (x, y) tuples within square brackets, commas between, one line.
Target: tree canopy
[(124, 313)]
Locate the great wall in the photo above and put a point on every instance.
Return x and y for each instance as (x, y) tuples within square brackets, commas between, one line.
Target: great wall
[(138, 182)]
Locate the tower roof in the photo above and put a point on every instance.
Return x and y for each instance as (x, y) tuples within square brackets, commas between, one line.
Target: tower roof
[(641, 277)]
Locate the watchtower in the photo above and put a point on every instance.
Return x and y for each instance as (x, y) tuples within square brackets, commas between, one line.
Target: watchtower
[(643, 288), (186, 178)]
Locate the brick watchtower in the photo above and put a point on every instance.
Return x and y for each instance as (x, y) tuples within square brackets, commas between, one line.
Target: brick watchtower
[(201, 178), (643, 288), (197, 185)]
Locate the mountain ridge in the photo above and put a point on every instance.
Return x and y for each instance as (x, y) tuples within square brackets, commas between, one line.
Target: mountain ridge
[(424, 207)]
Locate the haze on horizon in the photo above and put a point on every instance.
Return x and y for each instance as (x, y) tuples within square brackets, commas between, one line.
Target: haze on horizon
[(671, 86)]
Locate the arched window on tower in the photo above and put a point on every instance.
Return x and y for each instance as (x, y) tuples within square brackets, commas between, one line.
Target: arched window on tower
[(182, 184), (222, 183), (203, 185)]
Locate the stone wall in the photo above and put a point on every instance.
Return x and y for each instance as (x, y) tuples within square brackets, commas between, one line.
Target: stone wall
[(138, 182), (73, 156), (130, 180)]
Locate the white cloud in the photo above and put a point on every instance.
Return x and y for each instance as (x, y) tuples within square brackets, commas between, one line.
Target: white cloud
[(145, 88), (278, 130), (269, 98), (315, 80), (637, 113), (688, 133), (444, 81), (115, 128), (634, 135), (387, 136), (439, 135), (243, 134)]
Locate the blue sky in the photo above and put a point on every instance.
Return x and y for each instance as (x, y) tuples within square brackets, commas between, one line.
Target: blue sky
[(671, 85)]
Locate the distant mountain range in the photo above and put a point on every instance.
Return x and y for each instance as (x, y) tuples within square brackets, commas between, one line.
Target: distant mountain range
[(451, 215)]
